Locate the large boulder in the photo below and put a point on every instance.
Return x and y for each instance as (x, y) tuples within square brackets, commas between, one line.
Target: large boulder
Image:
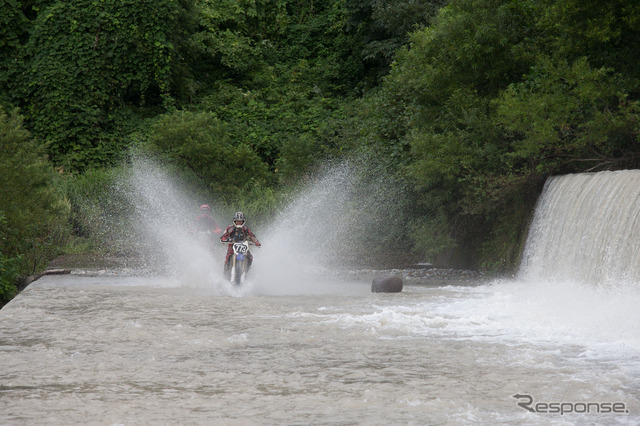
[(386, 285)]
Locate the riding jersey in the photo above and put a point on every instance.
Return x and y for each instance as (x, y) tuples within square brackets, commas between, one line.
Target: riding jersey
[(205, 222), (232, 234)]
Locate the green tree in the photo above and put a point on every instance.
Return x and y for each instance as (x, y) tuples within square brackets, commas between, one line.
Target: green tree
[(434, 114), (13, 27), (276, 71), (89, 64), (569, 118), (200, 143), (606, 33), (270, 43), (34, 213), (493, 97), (382, 27)]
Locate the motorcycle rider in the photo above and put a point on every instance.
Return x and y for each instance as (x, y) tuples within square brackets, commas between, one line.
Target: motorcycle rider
[(205, 222), (237, 232)]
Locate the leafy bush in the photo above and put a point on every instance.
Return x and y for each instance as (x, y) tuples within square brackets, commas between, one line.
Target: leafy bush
[(8, 268), (99, 212), (34, 210), (568, 117), (201, 143), (8, 278)]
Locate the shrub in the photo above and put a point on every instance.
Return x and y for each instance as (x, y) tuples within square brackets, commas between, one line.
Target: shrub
[(201, 143), (8, 269), (35, 213)]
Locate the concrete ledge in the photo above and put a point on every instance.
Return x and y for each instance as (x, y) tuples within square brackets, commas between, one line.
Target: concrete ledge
[(31, 278)]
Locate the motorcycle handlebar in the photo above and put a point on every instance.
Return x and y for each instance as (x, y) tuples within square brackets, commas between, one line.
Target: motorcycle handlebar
[(251, 243)]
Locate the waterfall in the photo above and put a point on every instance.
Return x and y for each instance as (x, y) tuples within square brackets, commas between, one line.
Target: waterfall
[(586, 229)]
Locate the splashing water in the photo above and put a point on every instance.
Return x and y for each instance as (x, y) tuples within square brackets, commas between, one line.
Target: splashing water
[(162, 226), (307, 239), (310, 236)]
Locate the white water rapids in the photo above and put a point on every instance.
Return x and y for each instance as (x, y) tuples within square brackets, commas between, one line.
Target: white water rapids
[(188, 349)]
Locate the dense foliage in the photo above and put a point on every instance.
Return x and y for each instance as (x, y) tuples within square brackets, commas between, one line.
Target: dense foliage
[(467, 106), (496, 95), (32, 212)]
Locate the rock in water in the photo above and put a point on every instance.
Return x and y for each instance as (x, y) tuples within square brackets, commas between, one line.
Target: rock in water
[(386, 285)]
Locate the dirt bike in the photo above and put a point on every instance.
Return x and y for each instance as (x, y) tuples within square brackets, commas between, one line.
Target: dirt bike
[(239, 262)]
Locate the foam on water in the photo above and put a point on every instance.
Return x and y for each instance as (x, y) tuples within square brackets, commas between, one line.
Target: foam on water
[(544, 314), (570, 312)]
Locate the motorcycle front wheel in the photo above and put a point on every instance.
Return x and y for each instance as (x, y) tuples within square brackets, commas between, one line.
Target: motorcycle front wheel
[(239, 269)]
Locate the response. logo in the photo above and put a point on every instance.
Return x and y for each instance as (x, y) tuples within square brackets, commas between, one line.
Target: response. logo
[(527, 402)]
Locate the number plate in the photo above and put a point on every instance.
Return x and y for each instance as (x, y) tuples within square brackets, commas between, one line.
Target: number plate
[(240, 248)]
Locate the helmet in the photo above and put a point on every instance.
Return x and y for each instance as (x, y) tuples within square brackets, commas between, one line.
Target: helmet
[(205, 207), (238, 220)]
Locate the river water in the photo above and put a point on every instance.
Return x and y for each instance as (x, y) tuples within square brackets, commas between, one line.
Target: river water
[(302, 344), (125, 350)]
